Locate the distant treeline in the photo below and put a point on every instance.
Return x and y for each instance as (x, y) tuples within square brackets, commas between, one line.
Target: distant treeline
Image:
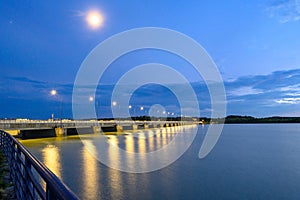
[(237, 119), (231, 119)]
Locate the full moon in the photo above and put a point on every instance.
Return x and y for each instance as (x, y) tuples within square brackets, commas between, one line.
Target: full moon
[(94, 19)]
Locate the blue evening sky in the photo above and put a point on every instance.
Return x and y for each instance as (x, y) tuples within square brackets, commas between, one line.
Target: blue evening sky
[(254, 43)]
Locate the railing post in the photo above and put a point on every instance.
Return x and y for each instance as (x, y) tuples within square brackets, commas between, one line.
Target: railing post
[(27, 181), (49, 193), (17, 174), (12, 159)]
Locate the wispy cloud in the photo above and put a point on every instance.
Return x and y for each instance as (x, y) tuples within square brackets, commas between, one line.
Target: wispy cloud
[(284, 10), (290, 100), (243, 91), (291, 88), (293, 94)]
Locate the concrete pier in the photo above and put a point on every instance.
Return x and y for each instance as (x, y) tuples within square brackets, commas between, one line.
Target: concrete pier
[(119, 128), (59, 132), (134, 127), (97, 129)]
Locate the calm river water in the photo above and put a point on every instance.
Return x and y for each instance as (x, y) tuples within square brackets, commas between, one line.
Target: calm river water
[(248, 162)]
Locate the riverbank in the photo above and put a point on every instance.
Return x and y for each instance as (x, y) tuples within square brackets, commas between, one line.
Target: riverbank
[(238, 119), (6, 186)]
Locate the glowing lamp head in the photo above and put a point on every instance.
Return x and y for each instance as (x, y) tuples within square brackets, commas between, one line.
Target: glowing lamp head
[(53, 92), (94, 19)]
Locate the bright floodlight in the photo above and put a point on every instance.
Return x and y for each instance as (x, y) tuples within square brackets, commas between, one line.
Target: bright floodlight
[(114, 103), (94, 19), (142, 108), (91, 98), (53, 92)]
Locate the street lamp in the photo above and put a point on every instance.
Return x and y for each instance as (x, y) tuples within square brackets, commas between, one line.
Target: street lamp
[(130, 107), (54, 93), (142, 108), (114, 103), (92, 99)]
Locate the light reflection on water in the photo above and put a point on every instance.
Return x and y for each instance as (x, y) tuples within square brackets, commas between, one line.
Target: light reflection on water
[(115, 182), (52, 160), (90, 173), (248, 162), (51, 151)]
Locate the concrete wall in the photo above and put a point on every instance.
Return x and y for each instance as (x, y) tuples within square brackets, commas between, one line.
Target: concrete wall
[(37, 133), (74, 131)]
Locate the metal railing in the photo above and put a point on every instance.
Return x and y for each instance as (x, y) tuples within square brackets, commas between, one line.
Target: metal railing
[(31, 178), (38, 124)]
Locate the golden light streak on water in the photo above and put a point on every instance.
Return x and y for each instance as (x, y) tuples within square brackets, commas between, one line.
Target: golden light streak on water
[(51, 156), (129, 143), (151, 141), (158, 141), (90, 170), (141, 145), (115, 179), (164, 139)]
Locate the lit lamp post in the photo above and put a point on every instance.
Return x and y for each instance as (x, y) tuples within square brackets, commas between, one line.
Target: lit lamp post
[(114, 103), (164, 115), (92, 99), (142, 108), (172, 116), (54, 93), (129, 107)]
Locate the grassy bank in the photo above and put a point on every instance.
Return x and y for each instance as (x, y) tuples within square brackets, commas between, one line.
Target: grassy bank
[(6, 187), (2, 174)]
